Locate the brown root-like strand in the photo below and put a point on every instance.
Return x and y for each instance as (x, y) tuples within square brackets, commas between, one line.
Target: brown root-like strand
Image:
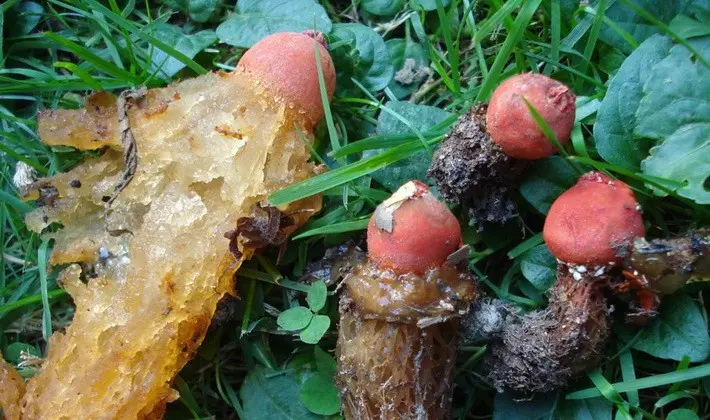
[(397, 341), (543, 350)]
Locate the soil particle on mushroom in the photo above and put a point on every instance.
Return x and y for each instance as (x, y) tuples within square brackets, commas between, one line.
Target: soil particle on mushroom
[(471, 170)]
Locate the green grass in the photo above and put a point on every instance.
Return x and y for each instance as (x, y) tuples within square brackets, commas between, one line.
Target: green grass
[(52, 58)]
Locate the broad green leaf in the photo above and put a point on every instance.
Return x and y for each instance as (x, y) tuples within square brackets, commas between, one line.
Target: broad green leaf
[(197, 10), (541, 406), (320, 395), (700, 9), (273, 397), (315, 330), (678, 331), (429, 4), (616, 117), (382, 7), (545, 181), (686, 27), (675, 110), (360, 54), (539, 266), (589, 409), (253, 20), (422, 118), (317, 295), (640, 28), (682, 414), (411, 62), (324, 361), (684, 156), (188, 44), (295, 319), (24, 17), (676, 92)]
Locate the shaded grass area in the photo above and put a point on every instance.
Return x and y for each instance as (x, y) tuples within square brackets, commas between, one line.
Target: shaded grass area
[(58, 51)]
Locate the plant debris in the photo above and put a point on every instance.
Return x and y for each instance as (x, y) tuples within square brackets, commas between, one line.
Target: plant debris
[(128, 140), (265, 227)]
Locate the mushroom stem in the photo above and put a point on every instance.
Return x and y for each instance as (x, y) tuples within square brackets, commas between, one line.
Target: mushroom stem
[(390, 370)]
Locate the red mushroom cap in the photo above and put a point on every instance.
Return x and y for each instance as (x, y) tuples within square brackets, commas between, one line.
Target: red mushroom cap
[(593, 221), (511, 125), (412, 231), (286, 61)]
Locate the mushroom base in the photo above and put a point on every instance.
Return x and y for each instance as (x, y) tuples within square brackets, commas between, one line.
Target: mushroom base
[(390, 370), (471, 170), (543, 350)]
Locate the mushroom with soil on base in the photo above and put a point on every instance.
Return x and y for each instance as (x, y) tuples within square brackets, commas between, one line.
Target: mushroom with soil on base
[(399, 311), (587, 229), (483, 155), (596, 232)]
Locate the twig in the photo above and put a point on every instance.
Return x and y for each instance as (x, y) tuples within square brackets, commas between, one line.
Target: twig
[(128, 141), (11, 259)]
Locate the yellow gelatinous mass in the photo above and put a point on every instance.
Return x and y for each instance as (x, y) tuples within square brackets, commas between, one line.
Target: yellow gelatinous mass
[(12, 387), (148, 272)]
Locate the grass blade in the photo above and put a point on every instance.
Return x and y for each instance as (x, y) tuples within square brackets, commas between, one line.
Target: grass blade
[(649, 382), (516, 34), (42, 256), (347, 226), (344, 174)]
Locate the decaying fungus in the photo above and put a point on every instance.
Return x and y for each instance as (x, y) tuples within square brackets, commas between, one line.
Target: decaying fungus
[(587, 229), (399, 311), (482, 157), (666, 265), (153, 248), (12, 388), (660, 267)]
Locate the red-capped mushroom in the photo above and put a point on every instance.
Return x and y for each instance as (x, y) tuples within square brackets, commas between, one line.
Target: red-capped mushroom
[(412, 231), (399, 311), (511, 125), (593, 223), (286, 62), (483, 155)]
